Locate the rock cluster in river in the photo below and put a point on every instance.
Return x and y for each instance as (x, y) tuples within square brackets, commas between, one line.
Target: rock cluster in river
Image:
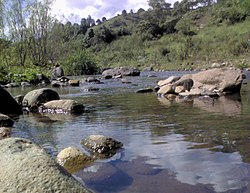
[(214, 82)]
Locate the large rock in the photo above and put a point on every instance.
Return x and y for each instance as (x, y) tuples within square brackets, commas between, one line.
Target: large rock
[(166, 89), (62, 106), (8, 105), (39, 96), (227, 80), (124, 71), (5, 121), (169, 80), (25, 167), (73, 160), (102, 145), (57, 72)]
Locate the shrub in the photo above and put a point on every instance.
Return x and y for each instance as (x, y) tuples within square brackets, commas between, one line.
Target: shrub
[(79, 63)]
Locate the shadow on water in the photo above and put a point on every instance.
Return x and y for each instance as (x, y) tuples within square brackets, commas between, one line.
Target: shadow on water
[(181, 146)]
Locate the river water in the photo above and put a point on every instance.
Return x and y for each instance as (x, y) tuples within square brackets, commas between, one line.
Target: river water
[(193, 146)]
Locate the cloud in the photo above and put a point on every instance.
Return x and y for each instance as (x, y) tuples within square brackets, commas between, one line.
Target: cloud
[(96, 8)]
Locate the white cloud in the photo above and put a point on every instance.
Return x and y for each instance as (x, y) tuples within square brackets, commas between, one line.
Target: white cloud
[(96, 8)]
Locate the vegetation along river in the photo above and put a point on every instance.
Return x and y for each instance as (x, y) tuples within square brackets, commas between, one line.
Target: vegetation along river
[(195, 146)]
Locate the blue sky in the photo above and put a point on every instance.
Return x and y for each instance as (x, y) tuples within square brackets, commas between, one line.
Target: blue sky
[(75, 9)]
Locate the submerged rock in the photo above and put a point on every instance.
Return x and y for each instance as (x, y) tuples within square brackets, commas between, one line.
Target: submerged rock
[(145, 90), (73, 160), (8, 105), (26, 167), (37, 97), (101, 145), (62, 106)]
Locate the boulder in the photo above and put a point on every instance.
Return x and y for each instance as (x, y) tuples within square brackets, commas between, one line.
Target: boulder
[(73, 160), (39, 96), (101, 145), (26, 167), (5, 132), (57, 71), (169, 80), (124, 71), (8, 105), (187, 84), (226, 80), (6, 121), (166, 89), (62, 106), (74, 82)]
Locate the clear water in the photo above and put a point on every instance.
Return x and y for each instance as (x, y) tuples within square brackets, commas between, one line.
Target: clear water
[(199, 146)]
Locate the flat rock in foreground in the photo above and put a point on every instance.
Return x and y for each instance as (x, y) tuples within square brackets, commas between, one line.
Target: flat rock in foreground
[(25, 167)]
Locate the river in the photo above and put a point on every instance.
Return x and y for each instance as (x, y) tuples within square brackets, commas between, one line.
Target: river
[(194, 146)]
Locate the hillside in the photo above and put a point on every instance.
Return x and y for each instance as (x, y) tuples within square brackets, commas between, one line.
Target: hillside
[(164, 39)]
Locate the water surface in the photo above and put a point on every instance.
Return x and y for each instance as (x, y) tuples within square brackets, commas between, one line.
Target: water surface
[(194, 146)]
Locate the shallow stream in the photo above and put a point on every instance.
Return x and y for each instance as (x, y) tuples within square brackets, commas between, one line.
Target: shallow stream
[(195, 146)]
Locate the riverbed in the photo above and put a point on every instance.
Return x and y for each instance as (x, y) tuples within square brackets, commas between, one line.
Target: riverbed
[(183, 146)]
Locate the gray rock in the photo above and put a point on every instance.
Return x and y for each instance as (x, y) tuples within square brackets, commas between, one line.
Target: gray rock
[(25, 167), (124, 71), (39, 96), (227, 80), (62, 106), (25, 84), (73, 160), (102, 146), (57, 72), (6, 121), (8, 105), (186, 83), (166, 89)]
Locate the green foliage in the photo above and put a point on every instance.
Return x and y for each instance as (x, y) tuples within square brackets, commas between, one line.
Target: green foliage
[(79, 63)]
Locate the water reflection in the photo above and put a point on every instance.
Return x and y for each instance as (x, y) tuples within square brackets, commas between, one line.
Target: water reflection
[(224, 105)]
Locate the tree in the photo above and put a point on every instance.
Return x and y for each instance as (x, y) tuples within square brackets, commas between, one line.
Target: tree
[(104, 19), (124, 12), (98, 22), (158, 4)]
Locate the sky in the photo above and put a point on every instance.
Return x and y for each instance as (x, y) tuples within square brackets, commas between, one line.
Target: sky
[(74, 10)]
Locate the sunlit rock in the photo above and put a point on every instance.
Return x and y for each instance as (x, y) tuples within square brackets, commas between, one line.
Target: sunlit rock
[(35, 98), (73, 160), (62, 106), (26, 167), (169, 80), (102, 146), (74, 82)]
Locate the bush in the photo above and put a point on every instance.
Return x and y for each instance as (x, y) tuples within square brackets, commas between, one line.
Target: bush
[(79, 63)]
